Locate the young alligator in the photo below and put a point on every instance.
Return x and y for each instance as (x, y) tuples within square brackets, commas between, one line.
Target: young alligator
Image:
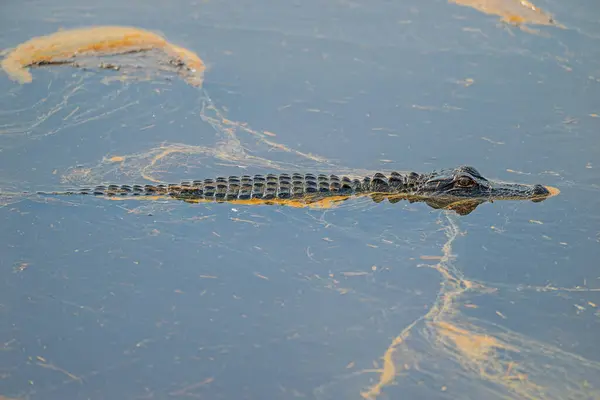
[(460, 189)]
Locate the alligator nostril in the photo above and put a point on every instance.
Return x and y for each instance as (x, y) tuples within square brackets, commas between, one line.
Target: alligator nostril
[(540, 190)]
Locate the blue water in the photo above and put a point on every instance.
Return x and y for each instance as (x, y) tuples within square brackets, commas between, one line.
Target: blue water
[(165, 299)]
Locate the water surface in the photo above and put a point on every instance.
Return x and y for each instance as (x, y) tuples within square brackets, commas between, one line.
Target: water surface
[(165, 299)]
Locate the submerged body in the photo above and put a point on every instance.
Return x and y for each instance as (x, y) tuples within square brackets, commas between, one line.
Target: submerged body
[(461, 189)]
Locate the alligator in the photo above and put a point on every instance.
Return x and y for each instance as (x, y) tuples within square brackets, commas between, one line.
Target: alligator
[(460, 189)]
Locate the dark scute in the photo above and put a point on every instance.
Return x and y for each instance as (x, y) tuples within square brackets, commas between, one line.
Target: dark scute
[(270, 193), (396, 182), (284, 189), (298, 189), (285, 185), (346, 188), (379, 184), (220, 194), (310, 181), (412, 179), (366, 184), (258, 189), (245, 192), (272, 178), (233, 192)]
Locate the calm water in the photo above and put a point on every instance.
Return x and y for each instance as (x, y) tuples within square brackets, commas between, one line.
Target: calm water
[(162, 299)]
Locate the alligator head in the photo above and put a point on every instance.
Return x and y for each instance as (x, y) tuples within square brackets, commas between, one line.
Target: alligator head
[(462, 189)]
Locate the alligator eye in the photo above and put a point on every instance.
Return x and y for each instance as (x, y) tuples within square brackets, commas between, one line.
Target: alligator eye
[(465, 182)]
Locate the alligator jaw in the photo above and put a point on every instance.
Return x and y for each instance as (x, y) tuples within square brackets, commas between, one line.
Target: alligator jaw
[(515, 191)]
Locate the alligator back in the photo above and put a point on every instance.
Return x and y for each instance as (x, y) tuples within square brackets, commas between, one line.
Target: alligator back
[(263, 187)]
